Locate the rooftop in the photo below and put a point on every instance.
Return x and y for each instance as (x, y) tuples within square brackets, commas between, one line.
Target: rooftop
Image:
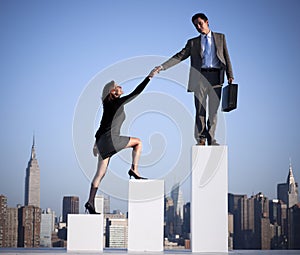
[(110, 251)]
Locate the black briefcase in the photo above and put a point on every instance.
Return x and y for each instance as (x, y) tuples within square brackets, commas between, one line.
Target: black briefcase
[(229, 97)]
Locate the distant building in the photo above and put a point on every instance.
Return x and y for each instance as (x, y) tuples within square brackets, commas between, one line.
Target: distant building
[(106, 208), (32, 180), (288, 191), (230, 231), (294, 227), (3, 207), (47, 227), (169, 220), (261, 238), (237, 206), (70, 206), (8, 224), (11, 227), (29, 226), (177, 196), (277, 212), (178, 201), (116, 231), (186, 228), (62, 231), (102, 204)]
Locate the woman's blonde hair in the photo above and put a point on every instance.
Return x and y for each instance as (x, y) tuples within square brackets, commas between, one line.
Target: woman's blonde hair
[(106, 91)]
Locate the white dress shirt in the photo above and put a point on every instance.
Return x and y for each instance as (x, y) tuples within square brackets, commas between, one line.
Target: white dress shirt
[(210, 59)]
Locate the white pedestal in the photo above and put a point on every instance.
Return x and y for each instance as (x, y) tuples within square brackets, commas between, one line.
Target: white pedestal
[(85, 232), (146, 215), (209, 208)]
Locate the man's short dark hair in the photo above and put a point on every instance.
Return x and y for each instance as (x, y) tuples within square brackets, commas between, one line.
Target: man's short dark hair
[(199, 15)]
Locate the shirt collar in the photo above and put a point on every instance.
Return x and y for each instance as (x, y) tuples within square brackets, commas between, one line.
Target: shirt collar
[(209, 35)]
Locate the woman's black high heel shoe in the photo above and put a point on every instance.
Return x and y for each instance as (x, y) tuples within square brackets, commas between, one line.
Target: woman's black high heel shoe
[(132, 173), (90, 208)]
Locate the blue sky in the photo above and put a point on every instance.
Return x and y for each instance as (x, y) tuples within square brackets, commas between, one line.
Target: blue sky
[(51, 50)]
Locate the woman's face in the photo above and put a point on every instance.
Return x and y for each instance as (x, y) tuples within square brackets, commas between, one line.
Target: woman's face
[(116, 91)]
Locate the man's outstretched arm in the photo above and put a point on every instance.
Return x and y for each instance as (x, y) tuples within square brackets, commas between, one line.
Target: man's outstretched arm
[(178, 57)]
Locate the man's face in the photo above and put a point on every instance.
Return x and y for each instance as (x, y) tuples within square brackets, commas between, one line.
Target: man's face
[(201, 26)]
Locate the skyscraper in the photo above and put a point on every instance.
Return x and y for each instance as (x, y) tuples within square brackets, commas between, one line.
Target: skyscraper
[(169, 218), (237, 206), (187, 220), (288, 191), (262, 239), (32, 180), (294, 227), (293, 189), (178, 201), (277, 212), (70, 206), (3, 208)]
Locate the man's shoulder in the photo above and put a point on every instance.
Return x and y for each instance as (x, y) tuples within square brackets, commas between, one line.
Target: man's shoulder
[(194, 39), (218, 34)]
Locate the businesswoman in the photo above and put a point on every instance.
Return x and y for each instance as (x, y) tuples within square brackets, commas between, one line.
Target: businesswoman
[(108, 139)]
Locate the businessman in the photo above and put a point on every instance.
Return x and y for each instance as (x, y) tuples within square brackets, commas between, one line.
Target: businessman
[(209, 61)]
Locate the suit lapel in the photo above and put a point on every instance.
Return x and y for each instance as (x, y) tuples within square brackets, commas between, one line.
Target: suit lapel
[(219, 48), (198, 45), (217, 41)]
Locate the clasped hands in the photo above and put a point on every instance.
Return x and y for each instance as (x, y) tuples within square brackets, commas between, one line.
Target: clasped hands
[(155, 71)]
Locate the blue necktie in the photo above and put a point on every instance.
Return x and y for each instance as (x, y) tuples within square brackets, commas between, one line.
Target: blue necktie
[(206, 51)]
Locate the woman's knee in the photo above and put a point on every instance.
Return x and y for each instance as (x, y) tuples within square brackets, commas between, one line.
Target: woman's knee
[(138, 143), (134, 143)]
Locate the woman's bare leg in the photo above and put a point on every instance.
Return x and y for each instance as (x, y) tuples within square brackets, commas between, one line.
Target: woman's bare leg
[(101, 170), (136, 145)]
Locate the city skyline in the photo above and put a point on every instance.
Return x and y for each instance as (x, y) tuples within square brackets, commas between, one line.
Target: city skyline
[(176, 194), (51, 50), (258, 222)]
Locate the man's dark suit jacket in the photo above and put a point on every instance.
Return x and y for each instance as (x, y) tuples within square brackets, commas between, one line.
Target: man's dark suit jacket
[(193, 50)]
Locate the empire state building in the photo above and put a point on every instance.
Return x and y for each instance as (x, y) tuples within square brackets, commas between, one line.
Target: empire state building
[(32, 180)]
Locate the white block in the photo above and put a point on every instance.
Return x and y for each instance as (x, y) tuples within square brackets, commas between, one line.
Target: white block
[(209, 208), (85, 232), (146, 215)]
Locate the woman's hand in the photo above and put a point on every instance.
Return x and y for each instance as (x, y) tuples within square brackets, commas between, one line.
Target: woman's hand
[(95, 150)]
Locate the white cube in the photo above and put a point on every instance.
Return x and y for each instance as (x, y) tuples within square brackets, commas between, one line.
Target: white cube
[(209, 206), (85, 232), (146, 215)]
